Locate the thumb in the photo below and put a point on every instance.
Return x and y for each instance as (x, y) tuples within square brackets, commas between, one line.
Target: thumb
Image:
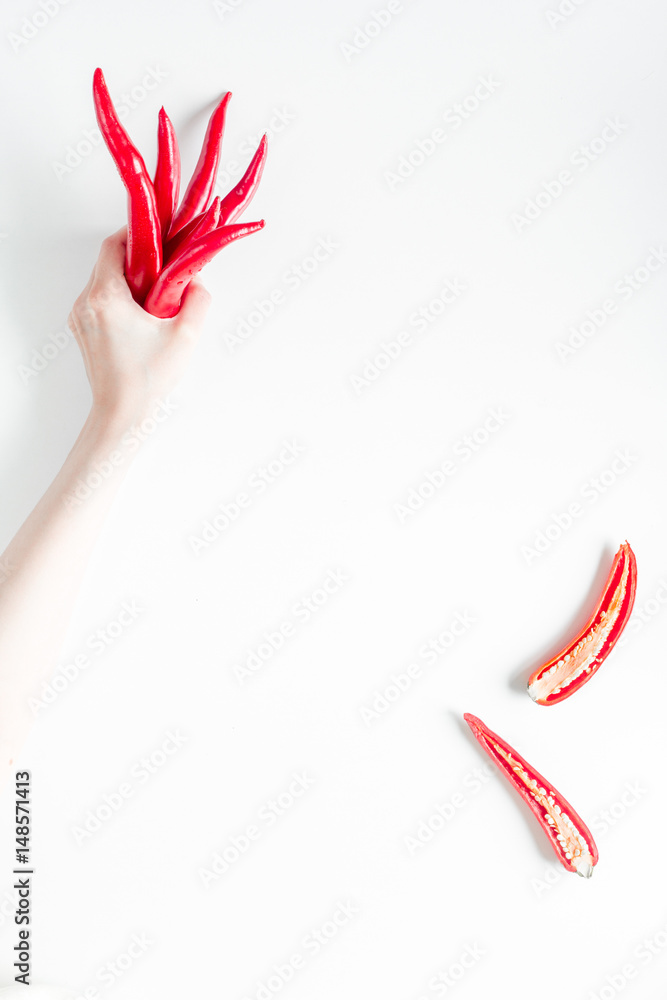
[(194, 308)]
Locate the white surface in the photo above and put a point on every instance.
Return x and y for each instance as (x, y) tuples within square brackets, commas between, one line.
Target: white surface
[(488, 880)]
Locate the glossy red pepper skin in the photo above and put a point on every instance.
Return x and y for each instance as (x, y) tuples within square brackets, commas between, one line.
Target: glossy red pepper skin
[(143, 253), (202, 224), (167, 181), (199, 190), (164, 299), (238, 199), (568, 834), (576, 663)]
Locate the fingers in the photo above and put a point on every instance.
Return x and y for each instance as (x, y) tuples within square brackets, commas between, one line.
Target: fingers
[(110, 266), (194, 307)]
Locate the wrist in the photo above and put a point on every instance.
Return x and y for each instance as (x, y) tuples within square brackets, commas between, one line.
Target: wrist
[(125, 413), (97, 464), (109, 437), (127, 427), (106, 426)]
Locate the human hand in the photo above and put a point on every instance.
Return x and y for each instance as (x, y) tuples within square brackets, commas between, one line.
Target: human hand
[(132, 359)]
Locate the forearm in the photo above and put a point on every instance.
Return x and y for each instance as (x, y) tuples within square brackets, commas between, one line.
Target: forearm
[(44, 565)]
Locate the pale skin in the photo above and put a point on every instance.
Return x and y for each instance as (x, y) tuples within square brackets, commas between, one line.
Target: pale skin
[(132, 361)]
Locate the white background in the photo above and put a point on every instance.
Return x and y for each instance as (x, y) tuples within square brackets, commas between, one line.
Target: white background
[(352, 108)]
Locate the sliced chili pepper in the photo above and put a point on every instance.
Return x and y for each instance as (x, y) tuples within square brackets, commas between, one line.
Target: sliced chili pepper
[(164, 298), (202, 224), (570, 837), (576, 663), (143, 252), (167, 182), (240, 197), (200, 188)]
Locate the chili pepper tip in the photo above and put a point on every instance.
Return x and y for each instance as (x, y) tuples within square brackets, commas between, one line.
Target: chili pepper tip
[(585, 870)]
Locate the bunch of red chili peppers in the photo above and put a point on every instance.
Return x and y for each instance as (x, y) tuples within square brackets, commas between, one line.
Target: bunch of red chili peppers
[(552, 682), (167, 243)]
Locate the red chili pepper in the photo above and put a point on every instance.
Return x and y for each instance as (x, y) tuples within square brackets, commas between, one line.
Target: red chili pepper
[(202, 224), (143, 253), (201, 185), (181, 236), (164, 298), (576, 663), (570, 837), (240, 197), (167, 182)]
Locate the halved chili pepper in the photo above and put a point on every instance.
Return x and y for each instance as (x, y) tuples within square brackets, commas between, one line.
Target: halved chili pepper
[(569, 836), (202, 224), (164, 298), (167, 182), (576, 663), (200, 188), (240, 197), (143, 252)]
